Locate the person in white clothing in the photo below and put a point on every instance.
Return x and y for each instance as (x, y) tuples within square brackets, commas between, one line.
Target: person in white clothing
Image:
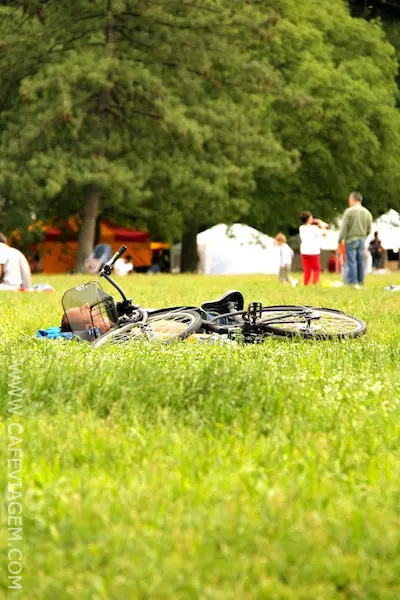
[(25, 269), (311, 231), (285, 259), (10, 271), (124, 266)]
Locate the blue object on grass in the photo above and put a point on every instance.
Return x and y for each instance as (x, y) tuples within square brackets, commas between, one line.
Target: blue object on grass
[(54, 333)]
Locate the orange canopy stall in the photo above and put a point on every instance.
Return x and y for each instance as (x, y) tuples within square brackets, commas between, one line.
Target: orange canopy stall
[(137, 242), (159, 246), (60, 246)]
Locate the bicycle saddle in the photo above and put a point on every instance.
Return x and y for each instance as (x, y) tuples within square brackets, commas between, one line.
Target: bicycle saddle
[(222, 304)]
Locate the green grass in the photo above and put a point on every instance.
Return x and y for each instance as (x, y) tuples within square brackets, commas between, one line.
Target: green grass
[(194, 471)]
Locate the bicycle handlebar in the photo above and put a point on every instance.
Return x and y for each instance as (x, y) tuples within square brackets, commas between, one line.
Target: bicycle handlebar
[(107, 268)]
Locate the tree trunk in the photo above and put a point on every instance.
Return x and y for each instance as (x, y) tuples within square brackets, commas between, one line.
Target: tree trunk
[(87, 232), (189, 257)]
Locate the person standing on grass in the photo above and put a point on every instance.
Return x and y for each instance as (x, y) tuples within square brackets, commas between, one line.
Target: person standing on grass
[(311, 231), (285, 259), (376, 251), (356, 227)]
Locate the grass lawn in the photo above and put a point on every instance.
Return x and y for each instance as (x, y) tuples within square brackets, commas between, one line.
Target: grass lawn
[(215, 472)]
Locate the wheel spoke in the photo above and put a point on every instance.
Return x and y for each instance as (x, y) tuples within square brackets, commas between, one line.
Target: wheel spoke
[(128, 335), (169, 326), (311, 322), (333, 323)]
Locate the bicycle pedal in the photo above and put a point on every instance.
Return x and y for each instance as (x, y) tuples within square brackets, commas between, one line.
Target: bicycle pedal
[(254, 311)]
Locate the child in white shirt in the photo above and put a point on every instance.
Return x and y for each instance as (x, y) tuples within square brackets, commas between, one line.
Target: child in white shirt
[(285, 259)]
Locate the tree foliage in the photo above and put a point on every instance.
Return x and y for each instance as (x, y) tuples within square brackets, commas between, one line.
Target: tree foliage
[(137, 103), (179, 115), (339, 112)]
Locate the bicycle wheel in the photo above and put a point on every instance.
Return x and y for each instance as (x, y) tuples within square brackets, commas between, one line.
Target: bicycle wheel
[(173, 325), (128, 333), (310, 322)]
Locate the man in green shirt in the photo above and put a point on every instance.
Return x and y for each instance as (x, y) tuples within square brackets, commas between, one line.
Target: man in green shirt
[(356, 227)]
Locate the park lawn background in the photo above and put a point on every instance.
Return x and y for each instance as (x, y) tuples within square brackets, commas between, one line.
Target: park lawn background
[(212, 472)]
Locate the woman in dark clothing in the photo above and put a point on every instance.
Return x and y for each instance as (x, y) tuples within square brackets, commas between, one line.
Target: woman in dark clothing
[(376, 251)]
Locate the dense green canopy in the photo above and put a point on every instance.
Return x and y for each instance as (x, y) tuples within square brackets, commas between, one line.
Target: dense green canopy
[(178, 115), (339, 113)]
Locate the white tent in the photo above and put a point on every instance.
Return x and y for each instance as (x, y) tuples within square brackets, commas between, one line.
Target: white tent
[(388, 227), (237, 249), (330, 239)]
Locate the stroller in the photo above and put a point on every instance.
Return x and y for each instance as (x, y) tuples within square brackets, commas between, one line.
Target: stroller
[(100, 255)]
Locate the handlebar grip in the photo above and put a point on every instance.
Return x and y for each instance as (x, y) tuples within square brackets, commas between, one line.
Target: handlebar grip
[(109, 265), (119, 253), (116, 256)]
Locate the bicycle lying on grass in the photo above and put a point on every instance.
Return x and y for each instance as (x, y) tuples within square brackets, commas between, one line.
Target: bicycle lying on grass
[(93, 315)]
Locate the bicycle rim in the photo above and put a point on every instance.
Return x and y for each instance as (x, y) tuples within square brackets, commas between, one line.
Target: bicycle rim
[(322, 323), (171, 326), (126, 334)]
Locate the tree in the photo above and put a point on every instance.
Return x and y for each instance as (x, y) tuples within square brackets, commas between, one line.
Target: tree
[(22, 51), (132, 93), (179, 115), (338, 110)]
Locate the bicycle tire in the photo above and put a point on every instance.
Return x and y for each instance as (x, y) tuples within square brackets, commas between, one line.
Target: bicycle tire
[(170, 326), (331, 324), (163, 327), (122, 335)]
